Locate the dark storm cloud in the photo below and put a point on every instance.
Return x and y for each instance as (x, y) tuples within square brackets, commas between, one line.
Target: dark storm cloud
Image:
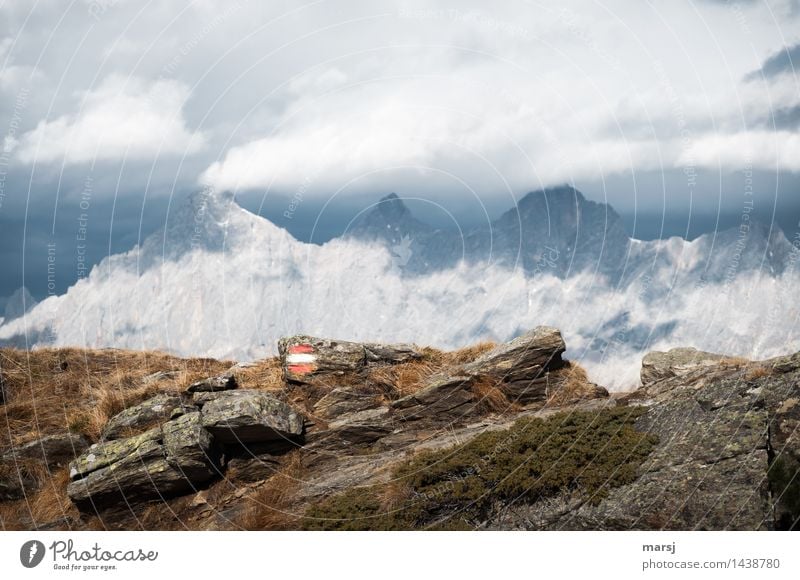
[(477, 104), (785, 61), (787, 118)]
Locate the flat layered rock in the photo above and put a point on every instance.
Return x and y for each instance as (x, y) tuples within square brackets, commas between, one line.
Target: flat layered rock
[(304, 357), (225, 382), (519, 369), (784, 364), (658, 366), (190, 448), (53, 450), (248, 416), (102, 455), (253, 468), (363, 427), (523, 358), (155, 410), (391, 353), (341, 401), (443, 397), (166, 461)]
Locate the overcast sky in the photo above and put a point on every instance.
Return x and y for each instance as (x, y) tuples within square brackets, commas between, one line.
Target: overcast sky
[(655, 106)]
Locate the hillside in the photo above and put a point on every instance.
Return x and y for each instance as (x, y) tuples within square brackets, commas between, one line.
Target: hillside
[(334, 434)]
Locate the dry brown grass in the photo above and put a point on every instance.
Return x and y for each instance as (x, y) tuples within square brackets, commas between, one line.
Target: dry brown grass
[(270, 506), (169, 516), (265, 375), (54, 390), (50, 391), (46, 499), (394, 495), (490, 398), (569, 384), (757, 372), (734, 362), (51, 501), (468, 353), (405, 378)]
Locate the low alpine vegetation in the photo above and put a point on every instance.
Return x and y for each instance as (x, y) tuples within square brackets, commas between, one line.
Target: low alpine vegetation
[(582, 454)]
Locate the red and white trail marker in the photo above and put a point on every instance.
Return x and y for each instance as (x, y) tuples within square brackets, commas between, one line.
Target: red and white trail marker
[(300, 359)]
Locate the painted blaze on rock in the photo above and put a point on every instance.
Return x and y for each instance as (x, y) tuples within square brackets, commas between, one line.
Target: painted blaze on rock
[(303, 356), (300, 359)]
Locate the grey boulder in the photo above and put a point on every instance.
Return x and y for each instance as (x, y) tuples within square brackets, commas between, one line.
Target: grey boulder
[(53, 450), (250, 416), (658, 366), (225, 382), (145, 414), (169, 460)]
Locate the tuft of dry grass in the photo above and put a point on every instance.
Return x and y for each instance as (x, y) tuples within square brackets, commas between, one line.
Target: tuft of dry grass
[(51, 502), (757, 372), (45, 499), (159, 516), (265, 374), (270, 506), (734, 362), (468, 353), (405, 378), (490, 398), (569, 384)]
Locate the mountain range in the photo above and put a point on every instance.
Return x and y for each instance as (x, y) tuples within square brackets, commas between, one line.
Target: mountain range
[(220, 281)]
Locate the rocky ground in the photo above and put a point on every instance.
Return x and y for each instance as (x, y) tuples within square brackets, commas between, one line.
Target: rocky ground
[(341, 435)]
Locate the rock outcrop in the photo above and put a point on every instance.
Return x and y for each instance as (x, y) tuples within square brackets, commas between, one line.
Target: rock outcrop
[(708, 442), (521, 369), (181, 454), (165, 461), (727, 455), (213, 384), (52, 451), (659, 366), (138, 417), (305, 358), (247, 416)]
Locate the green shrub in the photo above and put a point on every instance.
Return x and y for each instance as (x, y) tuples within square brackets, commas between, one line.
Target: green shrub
[(586, 453)]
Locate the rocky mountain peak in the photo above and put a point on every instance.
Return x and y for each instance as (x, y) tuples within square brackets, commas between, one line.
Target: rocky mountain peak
[(391, 207), (20, 302)]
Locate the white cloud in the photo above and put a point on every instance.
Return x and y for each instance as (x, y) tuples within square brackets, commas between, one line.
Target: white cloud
[(484, 126), (522, 93), (753, 149), (122, 118)]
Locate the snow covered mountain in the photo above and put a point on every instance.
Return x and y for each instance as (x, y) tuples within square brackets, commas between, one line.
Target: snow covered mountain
[(20, 302), (222, 282)]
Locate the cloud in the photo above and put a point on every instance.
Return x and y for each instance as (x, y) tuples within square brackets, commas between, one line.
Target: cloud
[(462, 124), (785, 61), (122, 118), (784, 118), (489, 100), (762, 149)]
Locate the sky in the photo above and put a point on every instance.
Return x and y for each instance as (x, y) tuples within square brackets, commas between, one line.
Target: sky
[(113, 110)]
